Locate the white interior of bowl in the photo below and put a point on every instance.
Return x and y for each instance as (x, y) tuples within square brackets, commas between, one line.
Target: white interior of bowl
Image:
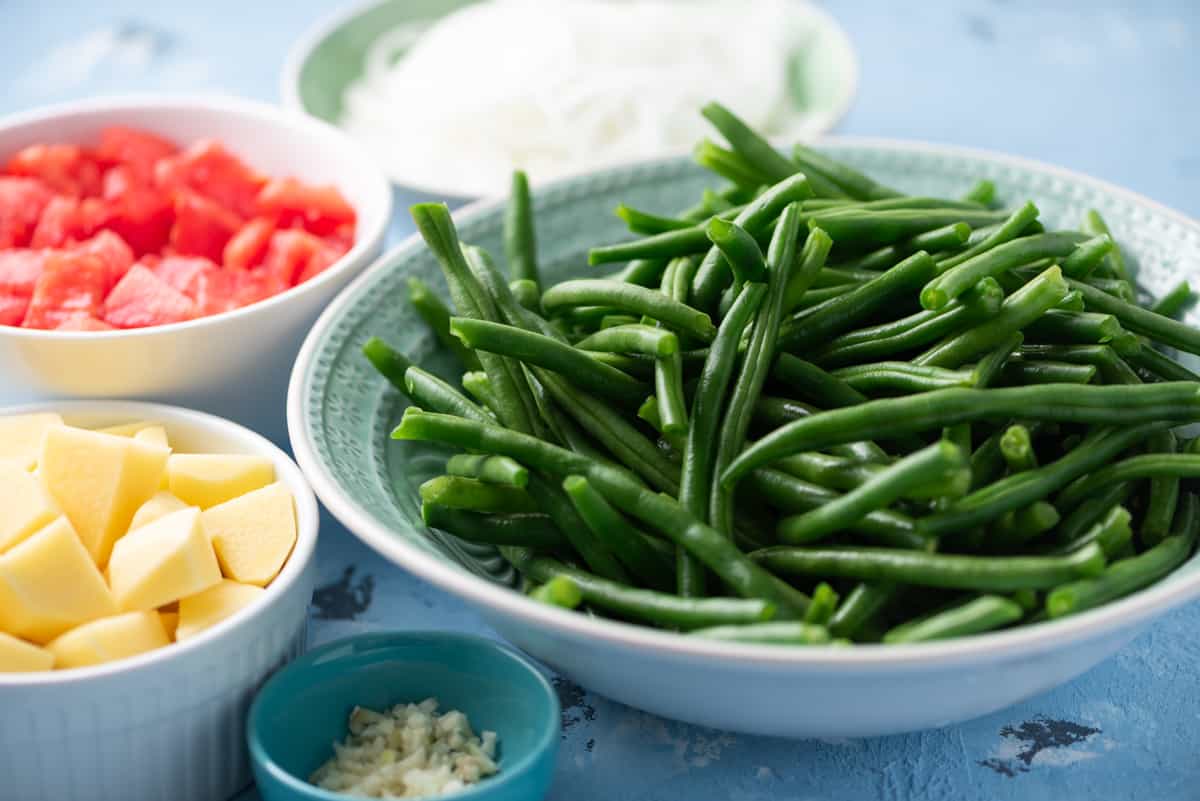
[(189, 432)]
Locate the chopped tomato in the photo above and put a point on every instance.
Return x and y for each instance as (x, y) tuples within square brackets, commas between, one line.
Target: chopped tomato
[(112, 250), (60, 223), (21, 204), (142, 298), (136, 210), (201, 226), (318, 209), (12, 308), (67, 169), (248, 245), (136, 149), (208, 168), (83, 322), (182, 272), (69, 284), (294, 256), (256, 284)]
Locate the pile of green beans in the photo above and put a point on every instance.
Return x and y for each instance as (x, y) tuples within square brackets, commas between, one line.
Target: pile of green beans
[(811, 410)]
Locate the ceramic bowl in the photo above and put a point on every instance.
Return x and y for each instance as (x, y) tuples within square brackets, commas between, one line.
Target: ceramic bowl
[(167, 725), (330, 57), (304, 708), (340, 414), (233, 364)]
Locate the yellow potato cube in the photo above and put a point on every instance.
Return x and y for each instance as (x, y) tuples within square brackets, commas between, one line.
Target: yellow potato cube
[(21, 437), (153, 435), (25, 505), (162, 562), (99, 481), (161, 504), (49, 584), (109, 639), (125, 429), (253, 534), (170, 622), (207, 479), (18, 656), (198, 612)]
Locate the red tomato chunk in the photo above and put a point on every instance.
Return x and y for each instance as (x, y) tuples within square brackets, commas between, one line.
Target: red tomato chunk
[(134, 230)]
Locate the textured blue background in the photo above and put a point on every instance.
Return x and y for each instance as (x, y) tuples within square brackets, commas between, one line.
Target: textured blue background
[(1107, 88)]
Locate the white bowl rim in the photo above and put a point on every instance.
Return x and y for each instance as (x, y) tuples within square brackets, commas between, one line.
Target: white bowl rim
[(307, 523), (365, 240), (298, 55), (1007, 644)]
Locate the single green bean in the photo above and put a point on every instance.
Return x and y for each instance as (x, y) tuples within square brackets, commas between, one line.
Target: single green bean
[(1014, 529), (1164, 494), (824, 604), (1177, 299), (1149, 465), (1081, 519), (1074, 328), (863, 605), (647, 339), (759, 153), (533, 530), (594, 551), (558, 591), (1112, 532), (1042, 371), (866, 229), (672, 313), (1114, 262), (975, 616), (488, 469), (1016, 446), (643, 222), (433, 311), (741, 251), (893, 378), (982, 192), (1112, 367), (642, 272), (1119, 289), (469, 494), (476, 382), (812, 260), (520, 243), (435, 395), (390, 362), (846, 178), (728, 164), (618, 535), (780, 633), (526, 293), (1088, 256)]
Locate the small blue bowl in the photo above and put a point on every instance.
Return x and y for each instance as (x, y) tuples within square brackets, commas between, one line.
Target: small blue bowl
[(302, 710)]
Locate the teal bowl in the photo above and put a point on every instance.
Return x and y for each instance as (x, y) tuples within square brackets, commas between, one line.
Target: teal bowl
[(302, 710)]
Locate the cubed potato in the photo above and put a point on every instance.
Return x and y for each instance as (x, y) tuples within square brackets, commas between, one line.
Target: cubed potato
[(253, 534), (170, 621), (161, 504), (153, 435), (18, 656), (25, 505), (162, 562), (109, 639), (207, 479), (99, 481), (21, 437), (198, 612), (125, 429), (49, 584)]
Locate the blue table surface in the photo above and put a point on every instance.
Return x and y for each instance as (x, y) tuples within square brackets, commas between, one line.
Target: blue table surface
[(1107, 88)]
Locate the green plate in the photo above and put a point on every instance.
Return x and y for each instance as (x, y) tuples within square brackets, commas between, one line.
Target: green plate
[(341, 411)]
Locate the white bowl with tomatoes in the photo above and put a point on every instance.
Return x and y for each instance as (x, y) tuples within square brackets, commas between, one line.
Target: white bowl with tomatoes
[(175, 249)]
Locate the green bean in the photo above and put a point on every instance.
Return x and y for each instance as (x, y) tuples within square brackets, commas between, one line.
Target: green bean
[(864, 603), (774, 633), (842, 312), (849, 180), (915, 330), (1127, 575), (1019, 310), (728, 164), (1112, 367), (618, 535), (1022, 489), (594, 551), (865, 229), (437, 317), (949, 571), (749, 145), (790, 494), (1119, 405), (1018, 527), (824, 604), (432, 393), (1114, 286), (1111, 531), (1166, 368), (389, 362), (1016, 446), (1164, 494), (992, 364), (526, 293), (520, 243), (982, 192), (812, 260), (644, 605), (841, 276), (672, 313), (519, 528), (641, 272), (1077, 328), (1072, 301), (1081, 519), (558, 591), (617, 320), (901, 378), (642, 222), (476, 382), (953, 282), (818, 296), (740, 250), (547, 352), (515, 407), (1088, 256), (657, 342), (455, 492), (1179, 298), (668, 389), (488, 469), (948, 237), (975, 616), (627, 363), (1141, 321), (1021, 372), (933, 463), (846, 473), (1149, 465), (667, 245), (1114, 262), (782, 257), (1016, 223)]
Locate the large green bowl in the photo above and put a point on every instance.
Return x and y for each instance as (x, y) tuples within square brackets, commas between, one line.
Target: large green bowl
[(340, 413)]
